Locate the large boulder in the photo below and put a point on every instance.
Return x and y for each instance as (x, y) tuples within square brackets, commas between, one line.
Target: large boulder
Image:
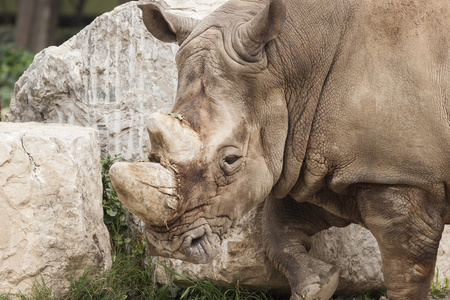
[(243, 260), (51, 216), (101, 78), (112, 76)]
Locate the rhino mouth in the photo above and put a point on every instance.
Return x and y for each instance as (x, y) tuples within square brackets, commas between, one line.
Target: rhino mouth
[(149, 190), (200, 245), (197, 245)]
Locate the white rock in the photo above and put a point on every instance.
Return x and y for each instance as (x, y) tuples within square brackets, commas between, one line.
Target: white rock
[(51, 216), (242, 260), (355, 252), (352, 249), (112, 76), (443, 260)]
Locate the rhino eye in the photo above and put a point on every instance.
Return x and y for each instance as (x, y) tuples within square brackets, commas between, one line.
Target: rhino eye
[(231, 159), (231, 164)]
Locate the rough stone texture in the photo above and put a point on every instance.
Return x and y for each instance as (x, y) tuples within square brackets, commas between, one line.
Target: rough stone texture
[(355, 252), (103, 77), (443, 261), (51, 216), (353, 249), (112, 76), (242, 260)]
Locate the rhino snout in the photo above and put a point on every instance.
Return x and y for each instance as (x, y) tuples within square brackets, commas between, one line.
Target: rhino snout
[(146, 189)]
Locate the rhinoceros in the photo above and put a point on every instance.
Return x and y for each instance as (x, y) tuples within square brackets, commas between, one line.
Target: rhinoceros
[(332, 112)]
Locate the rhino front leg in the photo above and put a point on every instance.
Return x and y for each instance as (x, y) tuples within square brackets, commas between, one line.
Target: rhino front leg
[(408, 226), (287, 227)]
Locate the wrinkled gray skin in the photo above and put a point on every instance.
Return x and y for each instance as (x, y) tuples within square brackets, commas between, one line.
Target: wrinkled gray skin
[(337, 111)]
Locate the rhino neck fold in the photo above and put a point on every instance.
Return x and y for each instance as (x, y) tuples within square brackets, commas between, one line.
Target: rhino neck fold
[(314, 71)]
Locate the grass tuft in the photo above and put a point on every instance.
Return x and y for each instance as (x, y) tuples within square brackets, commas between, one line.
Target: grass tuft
[(438, 289), (127, 279)]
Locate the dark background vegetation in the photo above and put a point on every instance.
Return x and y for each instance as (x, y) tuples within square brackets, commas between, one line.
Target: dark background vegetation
[(41, 23)]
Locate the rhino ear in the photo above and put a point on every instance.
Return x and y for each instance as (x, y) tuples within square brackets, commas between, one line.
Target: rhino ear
[(164, 25), (252, 36)]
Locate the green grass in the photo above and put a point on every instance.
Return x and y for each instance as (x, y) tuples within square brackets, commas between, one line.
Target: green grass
[(92, 7), (438, 289), (127, 279), (130, 279)]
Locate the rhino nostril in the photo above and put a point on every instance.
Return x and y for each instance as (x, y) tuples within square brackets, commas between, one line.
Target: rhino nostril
[(196, 241)]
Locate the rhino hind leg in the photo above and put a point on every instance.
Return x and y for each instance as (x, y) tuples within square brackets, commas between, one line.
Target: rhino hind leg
[(287, 227), (407, 224)]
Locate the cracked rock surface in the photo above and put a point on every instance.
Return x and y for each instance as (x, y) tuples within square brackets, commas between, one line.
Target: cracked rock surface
[(110, 76), (51, 216)]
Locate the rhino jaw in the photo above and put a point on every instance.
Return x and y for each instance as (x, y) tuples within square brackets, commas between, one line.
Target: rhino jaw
[(147, 189), (197, 245)]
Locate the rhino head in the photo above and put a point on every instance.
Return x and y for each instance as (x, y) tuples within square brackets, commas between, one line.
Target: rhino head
[(225, 155)]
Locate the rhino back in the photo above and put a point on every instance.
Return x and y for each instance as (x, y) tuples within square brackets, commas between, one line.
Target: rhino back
[(383, 115)]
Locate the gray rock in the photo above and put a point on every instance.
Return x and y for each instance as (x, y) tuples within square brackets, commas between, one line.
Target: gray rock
[(443, 260), (355, 252), (110, 76), (242, 261), (352, 249), (51, 216)]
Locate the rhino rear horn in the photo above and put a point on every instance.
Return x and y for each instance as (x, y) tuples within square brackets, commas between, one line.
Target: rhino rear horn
[(172, 138), (252, 36), (164, 25)]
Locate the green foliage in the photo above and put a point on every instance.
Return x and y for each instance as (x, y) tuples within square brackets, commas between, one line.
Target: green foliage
[(127, 279), (14, 60), (438, 289), (196, 289), (39, 291), (138, 245), (6, 33), (42, 291), (114, 212), (177, 116)]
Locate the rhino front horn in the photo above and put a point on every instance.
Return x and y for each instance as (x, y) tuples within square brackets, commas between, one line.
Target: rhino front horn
[(173, 138), (146, 189)]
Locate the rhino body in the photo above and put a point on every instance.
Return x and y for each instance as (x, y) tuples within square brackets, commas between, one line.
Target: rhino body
[(333, 112)]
